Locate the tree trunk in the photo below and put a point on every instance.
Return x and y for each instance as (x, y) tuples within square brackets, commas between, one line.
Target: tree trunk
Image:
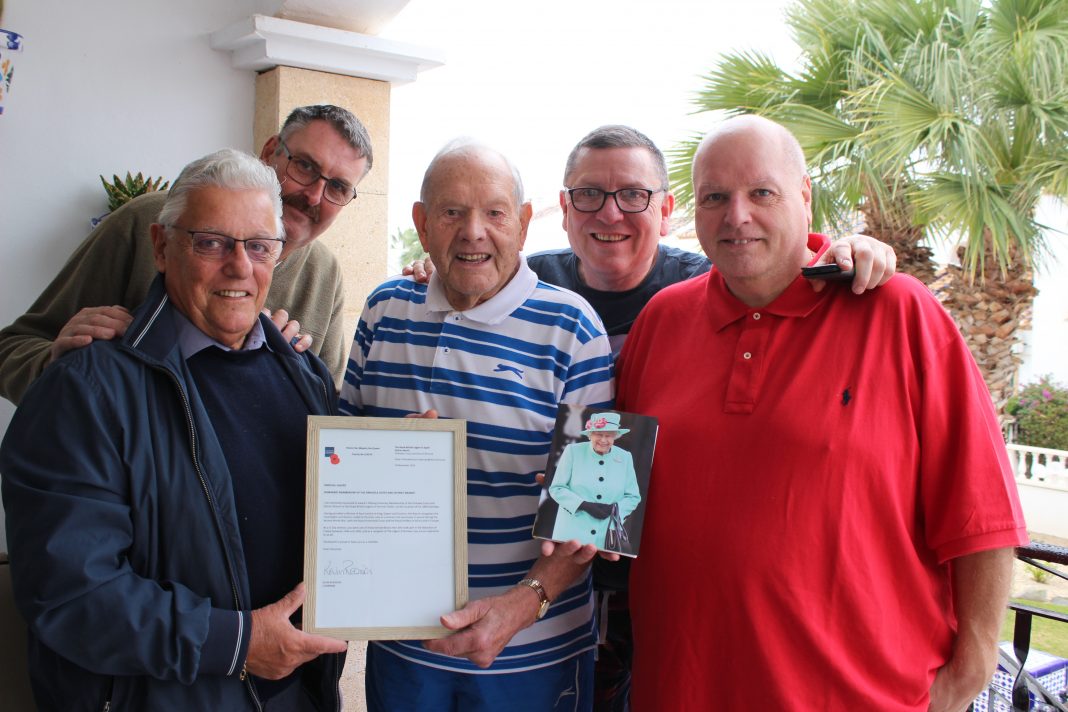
[(991, 310), (893, 225)]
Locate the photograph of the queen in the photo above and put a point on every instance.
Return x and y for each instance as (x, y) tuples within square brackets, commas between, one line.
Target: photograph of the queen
[(595, 486)]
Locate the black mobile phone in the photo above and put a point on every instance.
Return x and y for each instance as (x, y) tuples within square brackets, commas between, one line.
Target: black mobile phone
[(831, 273)]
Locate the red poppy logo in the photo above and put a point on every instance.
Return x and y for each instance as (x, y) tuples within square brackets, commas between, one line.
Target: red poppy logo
[(334, 459)]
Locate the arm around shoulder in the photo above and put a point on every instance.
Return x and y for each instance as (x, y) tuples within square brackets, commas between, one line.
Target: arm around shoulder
[(113, 266)]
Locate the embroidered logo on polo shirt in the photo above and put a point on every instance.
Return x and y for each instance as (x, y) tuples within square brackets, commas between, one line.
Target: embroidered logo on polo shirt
[(846, 397), (501, 368)]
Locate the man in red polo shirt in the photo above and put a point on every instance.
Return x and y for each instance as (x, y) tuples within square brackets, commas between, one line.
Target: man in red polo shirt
[(831, 514)]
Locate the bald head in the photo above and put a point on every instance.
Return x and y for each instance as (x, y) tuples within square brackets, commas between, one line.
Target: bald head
[(472, 220), (469, 150), (754, 203), (777, 136)]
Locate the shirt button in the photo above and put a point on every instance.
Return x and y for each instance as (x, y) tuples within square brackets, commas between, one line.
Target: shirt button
[(446, 350), (457, 317), (593, 531), (598, 496), (746, 355), (600, 462), (756, 316), (600, 479)]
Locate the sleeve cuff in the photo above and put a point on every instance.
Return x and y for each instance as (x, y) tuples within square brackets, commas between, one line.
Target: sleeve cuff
[(226, 647)]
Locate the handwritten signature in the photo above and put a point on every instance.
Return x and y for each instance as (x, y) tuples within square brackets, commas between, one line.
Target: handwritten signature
[(347, 568)]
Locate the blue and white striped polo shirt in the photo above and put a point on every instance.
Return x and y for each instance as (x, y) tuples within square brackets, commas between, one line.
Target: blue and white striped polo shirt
[(503, 366)]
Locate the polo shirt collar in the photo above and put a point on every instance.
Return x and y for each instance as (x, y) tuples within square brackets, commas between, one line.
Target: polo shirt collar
[(497, 308), (798, 300), (192, 340)]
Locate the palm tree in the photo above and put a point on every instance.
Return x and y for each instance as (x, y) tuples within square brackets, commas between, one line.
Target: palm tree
[(936, 118)]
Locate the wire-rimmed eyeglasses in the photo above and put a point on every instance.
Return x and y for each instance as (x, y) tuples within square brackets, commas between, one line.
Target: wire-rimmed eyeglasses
[(217, 246)]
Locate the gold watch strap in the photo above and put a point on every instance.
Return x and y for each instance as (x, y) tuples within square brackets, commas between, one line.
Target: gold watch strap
[(540, 590)]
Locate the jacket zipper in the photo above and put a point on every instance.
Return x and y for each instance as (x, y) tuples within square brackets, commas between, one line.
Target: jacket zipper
[(111, 693), (215, 513), (211, 504)]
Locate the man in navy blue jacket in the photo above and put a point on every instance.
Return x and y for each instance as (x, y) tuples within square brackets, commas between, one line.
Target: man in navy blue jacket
[(154, 485)]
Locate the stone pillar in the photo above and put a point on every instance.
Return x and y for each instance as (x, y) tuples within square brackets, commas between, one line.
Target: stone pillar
[(359, 237)]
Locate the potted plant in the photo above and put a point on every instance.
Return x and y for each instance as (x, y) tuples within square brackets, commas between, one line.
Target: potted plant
[(122, 191)]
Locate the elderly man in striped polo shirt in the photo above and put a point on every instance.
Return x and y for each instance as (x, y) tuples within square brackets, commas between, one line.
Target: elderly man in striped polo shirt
[(488, 342)]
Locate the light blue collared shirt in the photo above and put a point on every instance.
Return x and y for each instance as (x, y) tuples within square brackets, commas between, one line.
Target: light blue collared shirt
[(191, 340)]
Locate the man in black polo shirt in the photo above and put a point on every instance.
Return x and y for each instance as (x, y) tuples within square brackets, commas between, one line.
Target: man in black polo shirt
[(155, 542)]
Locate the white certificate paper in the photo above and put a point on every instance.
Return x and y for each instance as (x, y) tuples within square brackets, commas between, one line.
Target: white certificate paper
[(386, 523)]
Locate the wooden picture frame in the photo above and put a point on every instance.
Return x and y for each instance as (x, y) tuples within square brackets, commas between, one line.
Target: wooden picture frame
[(385, 544)]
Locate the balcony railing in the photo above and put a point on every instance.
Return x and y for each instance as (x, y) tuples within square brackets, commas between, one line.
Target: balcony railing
[(1039, 465), (1026, 687)]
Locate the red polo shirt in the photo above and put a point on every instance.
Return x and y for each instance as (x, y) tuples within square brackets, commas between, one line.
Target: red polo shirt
[(818, 463)]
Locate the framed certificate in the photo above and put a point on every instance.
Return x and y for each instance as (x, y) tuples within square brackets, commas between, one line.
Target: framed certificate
[(385, 543)]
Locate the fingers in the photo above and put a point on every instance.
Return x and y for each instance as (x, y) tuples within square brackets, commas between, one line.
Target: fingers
[(875, 261), (421, 271), (280, 318), (580, 554), (276, 647), (431, 414), (584, 555), (301, 343), (576, 552), (889, 265), (293, 600), (466, 616), (91, 323), (290, 329), (63, 344), (470, 644), (316, 645), (862, 259), (483, 628), (540, 478)]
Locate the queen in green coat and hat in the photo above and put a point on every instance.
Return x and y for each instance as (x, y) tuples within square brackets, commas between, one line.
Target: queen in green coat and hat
[(590, 478)]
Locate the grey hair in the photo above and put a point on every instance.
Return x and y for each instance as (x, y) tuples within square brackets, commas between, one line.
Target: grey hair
[(618, 136), (344, 122), (229, 169), (466, 146), (792, 153)]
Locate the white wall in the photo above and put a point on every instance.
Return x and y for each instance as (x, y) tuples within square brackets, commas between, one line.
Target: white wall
[(104, 87), (1047, 343)]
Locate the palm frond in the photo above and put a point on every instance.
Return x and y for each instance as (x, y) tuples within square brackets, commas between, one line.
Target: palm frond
[(743, 81)]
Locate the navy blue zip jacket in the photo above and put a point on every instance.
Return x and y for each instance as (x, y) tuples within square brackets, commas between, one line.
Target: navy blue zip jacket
[(122, 529)]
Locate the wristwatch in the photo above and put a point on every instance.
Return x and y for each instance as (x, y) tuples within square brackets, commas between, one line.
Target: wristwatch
[(540, 590)]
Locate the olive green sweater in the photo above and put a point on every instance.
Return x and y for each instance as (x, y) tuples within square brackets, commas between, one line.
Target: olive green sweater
[(115, 265)]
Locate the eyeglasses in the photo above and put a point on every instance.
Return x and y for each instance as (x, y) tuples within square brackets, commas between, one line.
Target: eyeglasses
[(217, 246), (628, 200), (305, 172)]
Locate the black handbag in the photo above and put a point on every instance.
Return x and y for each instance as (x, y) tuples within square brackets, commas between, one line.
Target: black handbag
[(616, 538)]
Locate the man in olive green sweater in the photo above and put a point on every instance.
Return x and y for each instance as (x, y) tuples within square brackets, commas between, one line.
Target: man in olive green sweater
[(320, 155)]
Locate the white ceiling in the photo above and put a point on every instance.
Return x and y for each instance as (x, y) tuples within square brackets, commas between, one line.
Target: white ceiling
[(365, 16)]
